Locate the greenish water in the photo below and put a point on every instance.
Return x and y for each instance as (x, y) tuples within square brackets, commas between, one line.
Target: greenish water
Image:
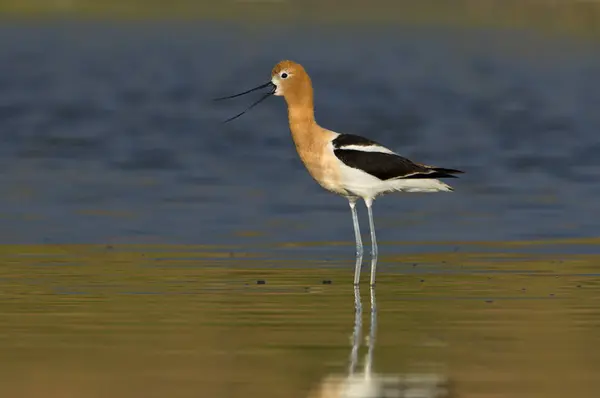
[(571, 16), (192, 321)]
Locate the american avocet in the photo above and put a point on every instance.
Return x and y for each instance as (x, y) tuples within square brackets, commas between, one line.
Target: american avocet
[(345, 164)]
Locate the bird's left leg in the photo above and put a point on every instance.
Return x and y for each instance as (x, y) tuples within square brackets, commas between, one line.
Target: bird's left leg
[(369, 203)]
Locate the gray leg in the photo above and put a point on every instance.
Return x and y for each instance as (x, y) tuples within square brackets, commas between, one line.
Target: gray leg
[(359, 245), (369, 203)]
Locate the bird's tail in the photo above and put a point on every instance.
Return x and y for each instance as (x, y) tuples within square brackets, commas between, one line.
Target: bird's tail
[(446, 173), (435, 172), (441, 172)]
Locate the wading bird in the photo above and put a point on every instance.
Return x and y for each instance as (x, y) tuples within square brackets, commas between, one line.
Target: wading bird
[(346, 164)]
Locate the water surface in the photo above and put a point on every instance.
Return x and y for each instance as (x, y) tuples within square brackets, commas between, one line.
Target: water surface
[(191, 321), (110, 134)]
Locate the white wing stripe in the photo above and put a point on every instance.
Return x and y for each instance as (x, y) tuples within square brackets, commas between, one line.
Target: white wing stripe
[(417, 173), (366, 148)]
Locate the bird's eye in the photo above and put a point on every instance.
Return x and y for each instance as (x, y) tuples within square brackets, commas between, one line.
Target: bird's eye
[(284, 75)]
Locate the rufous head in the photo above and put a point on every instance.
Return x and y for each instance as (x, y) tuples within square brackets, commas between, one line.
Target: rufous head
[(288, 79), (292, 82)]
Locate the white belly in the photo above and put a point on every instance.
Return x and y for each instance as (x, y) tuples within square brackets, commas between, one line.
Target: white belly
[(364, 185)]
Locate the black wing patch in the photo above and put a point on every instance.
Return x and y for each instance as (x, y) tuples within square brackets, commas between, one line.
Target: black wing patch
[(383, 165), (343, 140), (386, 166)]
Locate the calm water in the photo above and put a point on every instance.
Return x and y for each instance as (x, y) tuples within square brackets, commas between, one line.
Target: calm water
[(191, 321), (136, 227), (109, 133)]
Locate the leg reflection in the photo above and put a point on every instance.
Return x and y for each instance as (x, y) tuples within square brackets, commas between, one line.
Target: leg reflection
[(371, 338), (367, 383), (356, 336)]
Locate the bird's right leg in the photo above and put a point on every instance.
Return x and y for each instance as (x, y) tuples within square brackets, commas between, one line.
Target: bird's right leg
[(359, 245)]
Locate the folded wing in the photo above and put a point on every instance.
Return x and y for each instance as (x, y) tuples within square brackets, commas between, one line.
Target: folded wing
[(366, 155)]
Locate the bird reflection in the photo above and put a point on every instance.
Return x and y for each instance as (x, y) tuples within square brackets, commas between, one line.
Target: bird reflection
[(357, 335), (369, 384)]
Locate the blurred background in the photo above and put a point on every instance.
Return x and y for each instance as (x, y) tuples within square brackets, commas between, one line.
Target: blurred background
[(149, 250)]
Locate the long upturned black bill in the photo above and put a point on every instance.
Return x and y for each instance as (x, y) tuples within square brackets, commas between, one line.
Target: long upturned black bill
[(261, 99), (268, 84)]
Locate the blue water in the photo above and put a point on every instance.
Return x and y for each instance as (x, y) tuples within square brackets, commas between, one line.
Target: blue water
[(109, 133)]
